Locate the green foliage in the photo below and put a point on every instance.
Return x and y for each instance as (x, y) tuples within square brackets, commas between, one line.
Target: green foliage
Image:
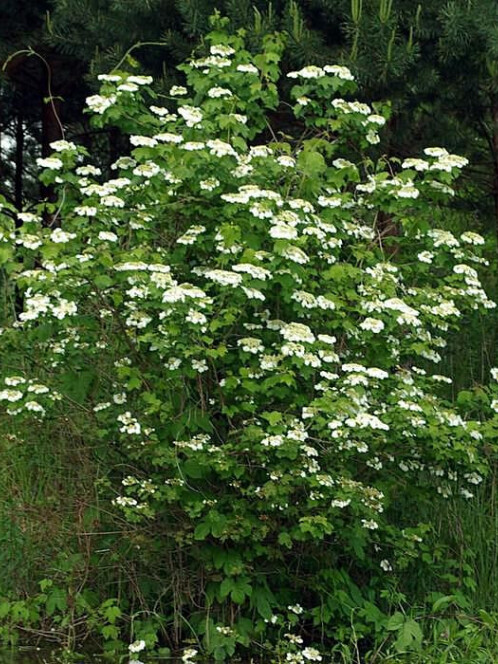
[(245, 330)]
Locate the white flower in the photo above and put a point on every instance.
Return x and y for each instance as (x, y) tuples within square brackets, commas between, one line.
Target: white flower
[(372, 137), (294, 638), (217, 92), (341, 504), (178, 91), (251, 345), (386, 565), (109, 78), (88, 169), (408, 190), (472, 238), (494, 373), (221, 49), (60, 237), (199, 365), (341, 72), (196, 317), (191, 115), (112, 201), (425, 257), (143, 141), (131, 266), (34, 407), (353, 367), (34, 306), (436, 152), (168, 137), (369, 524), (303, 101), (137, 646), (11, 395), (224, 278), (191, 235), (127, 501), (60, 146), (283, 232), (307, 72), (13, 381), (53, 163), (140, 80), (473, 478), (365, 420), (253, 294), (210, 184), (138, 319), (297, 332), (329, 201), (343, 163), (108, 236), (377, 119), (373, 325), (131, 426), (442, 379), (147, 170), (417, 164), (64, 308), (127, 87), (211, 61), (312, 654), (29, 241), (286, 161), (374, 372), (296, 608), (191, 146), (27, 217), (295, 254), (248, 69), (220, 148), (159, 110), (351, 106), (100, 104), (189, 654), (254, 271)]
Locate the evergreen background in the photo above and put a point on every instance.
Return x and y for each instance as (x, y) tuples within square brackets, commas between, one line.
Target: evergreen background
[(437, 63)]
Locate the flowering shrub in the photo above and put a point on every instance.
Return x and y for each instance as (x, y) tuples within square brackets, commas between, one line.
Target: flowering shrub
[(259, 321)]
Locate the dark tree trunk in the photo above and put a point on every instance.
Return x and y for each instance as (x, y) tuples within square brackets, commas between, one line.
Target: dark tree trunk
[(495, 163), (51, 131), (19, 160)]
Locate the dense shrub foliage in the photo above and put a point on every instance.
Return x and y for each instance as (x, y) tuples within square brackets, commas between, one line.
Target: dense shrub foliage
[(250, 323)]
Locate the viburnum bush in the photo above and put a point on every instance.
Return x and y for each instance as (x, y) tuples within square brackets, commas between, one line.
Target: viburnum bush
[(260, 319)]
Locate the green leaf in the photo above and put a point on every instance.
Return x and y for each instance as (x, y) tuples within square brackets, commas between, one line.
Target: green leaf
[(110, 632), (273, 418), (103, 281), (409, 636), (284, 539), (260, 600), (112, 613), (311, 163), (56, 601), (395, 622), (202, 531), (4, 609), (226, 587), (194, 469)]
